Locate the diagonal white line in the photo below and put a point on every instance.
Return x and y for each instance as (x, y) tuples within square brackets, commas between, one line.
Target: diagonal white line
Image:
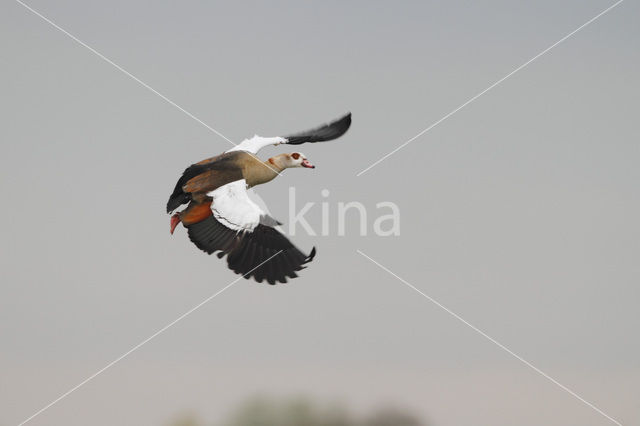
[(492, 340), (142, 83), (136, 347), (101, 56), (491, 87)]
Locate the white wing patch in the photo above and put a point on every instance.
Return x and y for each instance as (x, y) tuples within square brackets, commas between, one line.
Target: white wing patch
[(233, 208), (256, 143)]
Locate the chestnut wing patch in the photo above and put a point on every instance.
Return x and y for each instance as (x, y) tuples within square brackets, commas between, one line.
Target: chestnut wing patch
[(206, 176)]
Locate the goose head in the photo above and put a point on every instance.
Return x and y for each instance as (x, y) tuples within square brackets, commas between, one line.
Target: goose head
[(297, 159)]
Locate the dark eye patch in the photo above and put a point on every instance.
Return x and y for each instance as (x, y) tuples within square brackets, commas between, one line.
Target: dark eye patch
[(295, 155)]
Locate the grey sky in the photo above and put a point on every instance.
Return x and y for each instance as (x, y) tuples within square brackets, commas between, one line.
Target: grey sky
[(519, 212)]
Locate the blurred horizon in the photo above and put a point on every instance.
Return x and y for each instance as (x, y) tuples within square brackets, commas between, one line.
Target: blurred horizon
[(262, 410)]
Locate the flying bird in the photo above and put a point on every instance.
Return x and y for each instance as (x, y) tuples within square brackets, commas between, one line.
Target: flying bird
[(220, 217)]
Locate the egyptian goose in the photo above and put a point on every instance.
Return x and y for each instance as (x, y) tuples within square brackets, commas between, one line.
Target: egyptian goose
[(220, 217)]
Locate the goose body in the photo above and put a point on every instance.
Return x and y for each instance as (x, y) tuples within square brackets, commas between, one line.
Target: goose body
[(220, 217)]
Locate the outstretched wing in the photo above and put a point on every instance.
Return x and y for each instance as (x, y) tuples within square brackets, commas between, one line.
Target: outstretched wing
[(256, 143), (326, 132), (241, 230)]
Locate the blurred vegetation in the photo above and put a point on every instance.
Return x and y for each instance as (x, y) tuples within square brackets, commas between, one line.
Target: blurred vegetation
[(261, 411)]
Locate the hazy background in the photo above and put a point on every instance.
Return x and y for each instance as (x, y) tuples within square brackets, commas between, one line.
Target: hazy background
[(519, 213)]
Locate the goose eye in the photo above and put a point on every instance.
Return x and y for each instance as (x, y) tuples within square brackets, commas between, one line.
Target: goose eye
[(295, 155)]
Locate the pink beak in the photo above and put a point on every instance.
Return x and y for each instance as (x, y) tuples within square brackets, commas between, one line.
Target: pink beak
[(175, 220), (307, 164)]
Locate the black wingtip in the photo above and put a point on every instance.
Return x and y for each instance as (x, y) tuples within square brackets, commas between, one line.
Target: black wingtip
[(264, 254), (326, 132), (311, 255)]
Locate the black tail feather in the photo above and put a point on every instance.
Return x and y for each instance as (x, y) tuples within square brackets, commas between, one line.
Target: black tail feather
[(179, 197)]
